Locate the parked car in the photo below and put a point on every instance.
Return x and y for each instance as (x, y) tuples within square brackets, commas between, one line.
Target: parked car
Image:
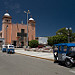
[(4, 48), (10, 49), (40, 46)]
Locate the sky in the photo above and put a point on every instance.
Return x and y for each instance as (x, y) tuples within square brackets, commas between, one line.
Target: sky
[(50, 15)]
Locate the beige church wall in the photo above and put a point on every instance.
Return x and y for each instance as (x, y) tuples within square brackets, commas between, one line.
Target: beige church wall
[(6, 34), (31, 34), (17, 29)]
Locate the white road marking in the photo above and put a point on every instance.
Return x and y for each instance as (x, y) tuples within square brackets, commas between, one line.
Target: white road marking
[(72, 71)]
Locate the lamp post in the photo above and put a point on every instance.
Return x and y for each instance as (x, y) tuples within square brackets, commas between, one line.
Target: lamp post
[(6, 33), (59, 33), (27, 12), (68, 29)]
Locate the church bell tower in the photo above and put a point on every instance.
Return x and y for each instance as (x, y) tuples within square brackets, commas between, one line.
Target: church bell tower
[(31, 29), (6, 28)]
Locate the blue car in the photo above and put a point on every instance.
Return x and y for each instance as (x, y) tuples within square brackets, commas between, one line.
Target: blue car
[(4, 47), (10, 49), (64, 52)]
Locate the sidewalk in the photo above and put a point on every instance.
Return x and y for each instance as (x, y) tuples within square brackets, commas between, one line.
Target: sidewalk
[(42, 55)]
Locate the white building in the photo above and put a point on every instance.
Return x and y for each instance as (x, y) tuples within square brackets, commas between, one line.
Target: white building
[(42, 40)]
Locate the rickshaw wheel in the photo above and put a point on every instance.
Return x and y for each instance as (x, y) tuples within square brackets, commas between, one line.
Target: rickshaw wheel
[(55, 60), (68, 63)]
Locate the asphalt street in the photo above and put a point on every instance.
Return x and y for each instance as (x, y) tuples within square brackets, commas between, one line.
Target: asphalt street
[(16, 64)]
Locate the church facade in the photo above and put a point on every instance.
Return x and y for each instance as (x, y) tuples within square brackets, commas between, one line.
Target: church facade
[(16, 34)]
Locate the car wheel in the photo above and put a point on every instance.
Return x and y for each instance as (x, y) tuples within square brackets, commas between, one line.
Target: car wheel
[(68, 63)]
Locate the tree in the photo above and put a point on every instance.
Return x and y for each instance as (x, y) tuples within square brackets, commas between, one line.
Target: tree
[(61, 37), (50, 41), (73, 37), (57, 39), (33, 43), (64, 32)]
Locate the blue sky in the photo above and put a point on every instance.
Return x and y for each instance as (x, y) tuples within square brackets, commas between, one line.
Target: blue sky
[(50, 15)]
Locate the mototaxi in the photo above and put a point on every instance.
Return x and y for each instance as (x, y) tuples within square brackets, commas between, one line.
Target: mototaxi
[(64, 52), (10, 49), (4, 47)]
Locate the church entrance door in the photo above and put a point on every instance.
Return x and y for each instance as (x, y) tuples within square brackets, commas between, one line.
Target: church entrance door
[(14, 43), (22, 36), (22, 44)]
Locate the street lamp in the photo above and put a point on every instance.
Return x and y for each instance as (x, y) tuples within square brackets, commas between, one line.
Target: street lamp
[(6, 33), (59, 33), (27, 12), (68, 29)]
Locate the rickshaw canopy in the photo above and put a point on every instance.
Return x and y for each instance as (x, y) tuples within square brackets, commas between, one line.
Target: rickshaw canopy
[(65, 44)]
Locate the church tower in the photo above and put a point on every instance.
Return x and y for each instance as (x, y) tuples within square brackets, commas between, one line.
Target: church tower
[(31, 29), (6, 28)]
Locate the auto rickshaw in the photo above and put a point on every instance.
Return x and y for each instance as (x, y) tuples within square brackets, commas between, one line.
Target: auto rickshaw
[(10, 49), (4, 47), (64, 53)]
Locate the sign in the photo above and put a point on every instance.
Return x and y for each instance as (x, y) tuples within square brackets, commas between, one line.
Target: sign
[(42, 40)]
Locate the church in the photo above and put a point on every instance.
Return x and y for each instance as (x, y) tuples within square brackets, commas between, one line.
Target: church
[(16, 34)]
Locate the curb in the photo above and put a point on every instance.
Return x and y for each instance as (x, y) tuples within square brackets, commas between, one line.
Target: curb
[(35, 56)]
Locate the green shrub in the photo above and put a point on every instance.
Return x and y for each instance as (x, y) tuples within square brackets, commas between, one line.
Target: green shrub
[(33, 43)]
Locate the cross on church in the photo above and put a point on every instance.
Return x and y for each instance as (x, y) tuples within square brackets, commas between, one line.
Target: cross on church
[(6, 11), (22, 34)]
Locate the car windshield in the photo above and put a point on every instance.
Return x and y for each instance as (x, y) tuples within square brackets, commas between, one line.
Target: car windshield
[(11, 47), (4, 46), (72, 48)]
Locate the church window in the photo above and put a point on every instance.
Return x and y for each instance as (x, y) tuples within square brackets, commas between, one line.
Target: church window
[(32, 28), (22, 34), (7, 21), (22, 30)]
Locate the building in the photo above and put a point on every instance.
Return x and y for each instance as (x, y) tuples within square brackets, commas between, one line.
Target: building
[(2, 41), (42, 40), (17, 33)]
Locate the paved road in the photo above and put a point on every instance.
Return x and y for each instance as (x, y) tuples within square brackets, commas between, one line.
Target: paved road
[(15, 64)]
